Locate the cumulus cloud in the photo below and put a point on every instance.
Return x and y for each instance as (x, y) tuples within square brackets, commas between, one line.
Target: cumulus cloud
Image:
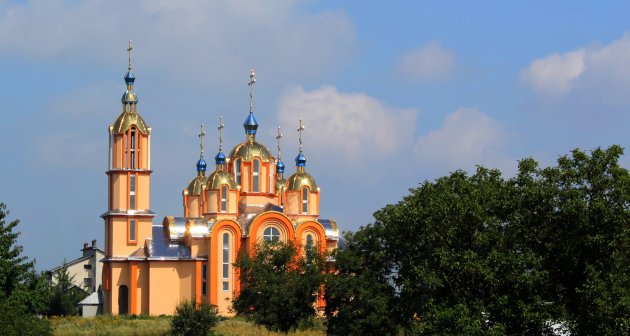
[(466, 138), (349, 125), (429, 62), (210, 39), (596, 69)]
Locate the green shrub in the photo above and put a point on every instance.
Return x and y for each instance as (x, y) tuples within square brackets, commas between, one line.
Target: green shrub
[(190, 320)]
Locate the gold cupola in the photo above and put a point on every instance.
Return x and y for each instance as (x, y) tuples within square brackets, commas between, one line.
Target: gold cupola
[(302, 193), (220, 191)]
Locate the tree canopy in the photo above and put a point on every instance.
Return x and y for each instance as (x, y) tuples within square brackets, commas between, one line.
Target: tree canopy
[(279, 288), (484, 255)]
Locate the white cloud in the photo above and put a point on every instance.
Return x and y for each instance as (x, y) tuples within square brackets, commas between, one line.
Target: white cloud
[(602, 71), (348, 125), (555, 73), (467, 138), (210, 39), (429, 62)]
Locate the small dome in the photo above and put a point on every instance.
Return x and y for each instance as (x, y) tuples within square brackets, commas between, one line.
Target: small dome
[(250, 124), (219, 178), (201, 165), (220, 158), (301, 179), (280, 167), (300, 160), (195, 187), (281, 185), (126, 119), (130, 78), (249, 149), (129, 97)]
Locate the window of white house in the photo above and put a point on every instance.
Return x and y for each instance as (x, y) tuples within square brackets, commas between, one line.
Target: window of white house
[(226, 262), (271, 234), (256, 176)]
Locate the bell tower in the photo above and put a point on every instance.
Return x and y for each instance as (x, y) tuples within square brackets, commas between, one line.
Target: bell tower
[(128, 219)]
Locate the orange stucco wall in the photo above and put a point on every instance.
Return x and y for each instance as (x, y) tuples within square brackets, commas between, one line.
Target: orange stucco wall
[(176, 284)]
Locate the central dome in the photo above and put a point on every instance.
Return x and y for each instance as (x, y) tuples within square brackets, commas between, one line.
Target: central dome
[(249, 149)]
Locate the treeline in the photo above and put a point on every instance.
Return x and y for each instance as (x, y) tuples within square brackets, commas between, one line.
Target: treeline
[(546, 252)]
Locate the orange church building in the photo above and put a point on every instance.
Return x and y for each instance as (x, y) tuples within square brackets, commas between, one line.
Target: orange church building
[(149, 268)]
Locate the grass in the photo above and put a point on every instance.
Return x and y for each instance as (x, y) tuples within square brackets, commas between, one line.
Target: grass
[(149, 326)]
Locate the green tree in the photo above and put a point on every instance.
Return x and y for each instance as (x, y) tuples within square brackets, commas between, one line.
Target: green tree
[(482, 255), (279, 289), (193, 320), (65, 295), (23, 292)]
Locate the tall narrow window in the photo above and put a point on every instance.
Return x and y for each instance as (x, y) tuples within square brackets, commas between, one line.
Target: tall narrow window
[(132, 192), (256, 176), (226, 261), (132, 230), (224, 198), (271, 185), (204, 277), (309, 240), (305, 200), (132, 147), (271, 234), (237, 171)]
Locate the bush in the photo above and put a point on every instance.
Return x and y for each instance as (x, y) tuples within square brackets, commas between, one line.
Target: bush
[(16, 321), (190, 320)]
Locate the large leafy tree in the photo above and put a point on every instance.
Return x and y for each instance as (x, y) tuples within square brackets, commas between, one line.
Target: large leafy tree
[(23, 293), (484, 255), (279, 288)]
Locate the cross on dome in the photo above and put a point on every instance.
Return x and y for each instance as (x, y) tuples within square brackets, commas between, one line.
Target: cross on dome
[(278, 137), (252, 81), (300, 130), (220, 128), (201, 135), (129, 49)]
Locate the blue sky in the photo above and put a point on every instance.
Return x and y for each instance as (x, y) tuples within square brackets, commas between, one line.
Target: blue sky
[(391, 95)]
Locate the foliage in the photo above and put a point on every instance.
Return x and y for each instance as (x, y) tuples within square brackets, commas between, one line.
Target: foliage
[(23, 292), (65, 295), (190, 320), (279, 288), (482, 255)]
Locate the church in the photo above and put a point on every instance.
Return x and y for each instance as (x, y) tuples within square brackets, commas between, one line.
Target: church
[(151, 266)]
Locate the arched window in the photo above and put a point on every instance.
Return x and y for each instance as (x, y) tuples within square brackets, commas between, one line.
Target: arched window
[(224, 198), (132, 192), (305, 200), (226, 262), (237, 171), (256, 176), (271, 184), (132, 148), (271, 234), (309, 240)]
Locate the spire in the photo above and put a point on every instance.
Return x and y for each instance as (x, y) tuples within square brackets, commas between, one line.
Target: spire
[(250, 124), (280, 164), (201, 164), (300, 160), (129, 97), (220, 158)]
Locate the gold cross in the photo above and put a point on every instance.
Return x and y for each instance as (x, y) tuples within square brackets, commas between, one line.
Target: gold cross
[(129, 49), (201, 135), (278, 137), (300, 130), (220, 128), (252, 81)]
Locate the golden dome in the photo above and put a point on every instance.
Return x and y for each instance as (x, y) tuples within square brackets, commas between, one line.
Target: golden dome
[(301, 179), (219, 178), (249, 149), (280, 185), (126, 120), (195, 187)]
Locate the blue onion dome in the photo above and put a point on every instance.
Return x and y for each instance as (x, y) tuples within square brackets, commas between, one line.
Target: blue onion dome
[(220, 158), (250, 124), (300, 160), (130, 78), (280, 167), (201, 165)]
